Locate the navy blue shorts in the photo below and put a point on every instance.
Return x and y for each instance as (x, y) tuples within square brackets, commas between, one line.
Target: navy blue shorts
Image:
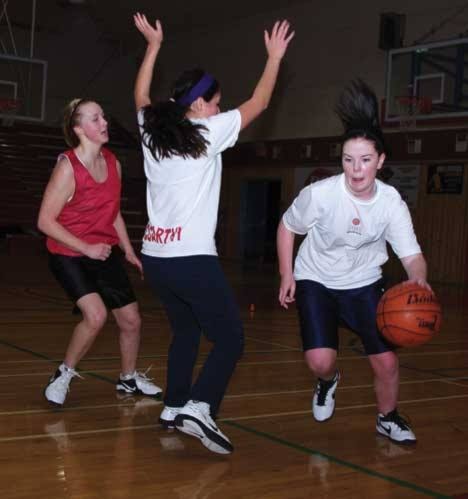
[(321, 309), (80, 276)]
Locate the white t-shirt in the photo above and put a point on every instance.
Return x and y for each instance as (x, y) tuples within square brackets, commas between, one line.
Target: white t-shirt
[(345, 245), (182, 195)]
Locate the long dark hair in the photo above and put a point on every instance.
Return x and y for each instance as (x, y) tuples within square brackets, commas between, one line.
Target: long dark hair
[(166, 130), (358, 110)]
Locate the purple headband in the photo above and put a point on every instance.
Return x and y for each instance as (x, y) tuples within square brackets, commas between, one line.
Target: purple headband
[(196, 91)]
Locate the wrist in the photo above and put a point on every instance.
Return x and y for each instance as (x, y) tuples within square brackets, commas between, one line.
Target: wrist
[(84, 249), (274, 59), (153, 47)]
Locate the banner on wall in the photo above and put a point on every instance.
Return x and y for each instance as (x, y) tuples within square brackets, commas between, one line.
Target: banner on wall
[(405, 179), (445, 179)]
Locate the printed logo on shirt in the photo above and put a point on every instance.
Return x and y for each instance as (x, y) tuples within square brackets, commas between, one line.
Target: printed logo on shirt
[(162, 236), (355, 227)]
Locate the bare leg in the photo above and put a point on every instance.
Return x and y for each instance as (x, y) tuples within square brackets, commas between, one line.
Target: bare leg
[(322, 362), (386, 380), (129, 322), (94, 316)]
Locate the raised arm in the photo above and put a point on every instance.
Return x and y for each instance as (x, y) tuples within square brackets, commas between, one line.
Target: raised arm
[(154, 38), (285, 246), (276, 44)]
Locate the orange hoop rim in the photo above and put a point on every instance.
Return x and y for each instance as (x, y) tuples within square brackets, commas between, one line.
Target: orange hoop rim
[(8, 104), (415, 105)]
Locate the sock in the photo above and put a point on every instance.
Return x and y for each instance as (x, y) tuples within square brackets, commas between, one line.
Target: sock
[(125, 377)]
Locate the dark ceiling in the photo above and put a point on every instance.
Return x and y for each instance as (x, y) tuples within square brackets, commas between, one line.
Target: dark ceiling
[(114, 17)]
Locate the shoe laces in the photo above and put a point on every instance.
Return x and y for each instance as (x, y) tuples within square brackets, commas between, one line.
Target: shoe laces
[(202, 407), (322, 389), (70, 373), (394, 417), (171, 411), (67, 375), (141, 376)]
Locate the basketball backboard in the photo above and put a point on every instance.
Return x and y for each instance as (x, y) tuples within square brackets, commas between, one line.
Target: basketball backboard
[(427, 84), (22, 88)]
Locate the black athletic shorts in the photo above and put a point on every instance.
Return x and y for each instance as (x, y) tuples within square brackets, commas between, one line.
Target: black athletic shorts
[(321, 309), (80, 276)]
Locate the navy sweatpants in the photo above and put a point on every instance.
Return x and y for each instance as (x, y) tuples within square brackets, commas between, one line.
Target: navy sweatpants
[(198, 300)]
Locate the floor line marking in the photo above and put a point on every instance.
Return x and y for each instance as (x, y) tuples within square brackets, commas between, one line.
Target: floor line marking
[(231, 422), (345, 408), (341, 462), (237, 418), (76, 433), (286, 347), (69, 409)]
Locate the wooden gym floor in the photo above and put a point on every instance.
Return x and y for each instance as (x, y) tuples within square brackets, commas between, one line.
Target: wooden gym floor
[(104, 446)]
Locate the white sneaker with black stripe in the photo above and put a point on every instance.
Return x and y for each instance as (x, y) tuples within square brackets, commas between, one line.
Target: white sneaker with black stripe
[(138, 384), (194, 419), (323, 402), (396, 428), (168, 415), (59, 385)]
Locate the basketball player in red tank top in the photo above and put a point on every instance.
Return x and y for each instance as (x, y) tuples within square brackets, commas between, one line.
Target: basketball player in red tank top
[(80, 215)]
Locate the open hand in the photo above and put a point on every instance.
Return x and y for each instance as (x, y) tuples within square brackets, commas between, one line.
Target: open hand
[(420, 282), (134, 260), (153, 34), (277, 42), (287, 290)]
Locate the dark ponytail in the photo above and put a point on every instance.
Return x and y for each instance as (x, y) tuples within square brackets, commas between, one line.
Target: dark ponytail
[(358, 111), (166, 130)]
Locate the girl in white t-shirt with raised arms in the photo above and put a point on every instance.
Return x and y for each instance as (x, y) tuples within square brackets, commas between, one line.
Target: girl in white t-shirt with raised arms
[(182, 141), (347, 220)]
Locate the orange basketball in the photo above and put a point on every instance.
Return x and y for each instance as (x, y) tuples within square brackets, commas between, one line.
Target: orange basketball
[(408, 315)]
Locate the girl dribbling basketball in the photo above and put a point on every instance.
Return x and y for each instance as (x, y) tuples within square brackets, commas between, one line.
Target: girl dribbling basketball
[(347, 220)]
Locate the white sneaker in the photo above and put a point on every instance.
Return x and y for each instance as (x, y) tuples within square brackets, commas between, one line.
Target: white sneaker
[(396, 428), (194, 419), (323, 402), (59, 385), (168, 416), (138, 384)]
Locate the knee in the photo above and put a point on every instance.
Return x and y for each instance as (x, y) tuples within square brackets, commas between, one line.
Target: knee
[(320, 363), (96, 319), (130, 323), (386, 365)]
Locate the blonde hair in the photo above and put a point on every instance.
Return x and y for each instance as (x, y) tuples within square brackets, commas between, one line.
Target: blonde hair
[(71, 118)]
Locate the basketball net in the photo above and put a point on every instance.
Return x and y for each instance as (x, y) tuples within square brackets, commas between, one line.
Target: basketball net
[(409, 108), (8, 110)]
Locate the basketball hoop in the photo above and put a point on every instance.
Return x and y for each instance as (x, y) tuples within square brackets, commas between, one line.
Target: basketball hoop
[(409, 108), (8, 110)]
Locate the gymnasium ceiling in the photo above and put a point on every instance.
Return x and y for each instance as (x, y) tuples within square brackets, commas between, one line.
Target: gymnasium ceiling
[(114, 17)]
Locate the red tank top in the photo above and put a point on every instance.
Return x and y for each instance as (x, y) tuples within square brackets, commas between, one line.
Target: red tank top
[(91, 212)]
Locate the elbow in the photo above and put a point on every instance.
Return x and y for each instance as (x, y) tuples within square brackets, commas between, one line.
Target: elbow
[(263, 105), (40, 224), (43, 223), (141, 100)]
